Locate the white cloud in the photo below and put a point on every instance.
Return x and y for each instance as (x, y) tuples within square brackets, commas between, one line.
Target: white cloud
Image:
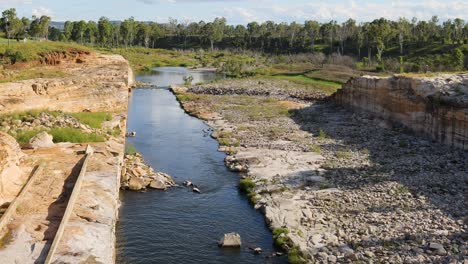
[(361, 10), (42, 11)]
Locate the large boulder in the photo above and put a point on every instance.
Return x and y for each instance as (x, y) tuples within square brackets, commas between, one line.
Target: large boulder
[(230, 240), (136, 184), (11, 179), (41, 140)]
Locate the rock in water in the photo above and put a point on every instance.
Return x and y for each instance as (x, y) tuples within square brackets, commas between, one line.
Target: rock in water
[(136, 184), (41, 140), (257, 250), (230, 240), (158, 185)]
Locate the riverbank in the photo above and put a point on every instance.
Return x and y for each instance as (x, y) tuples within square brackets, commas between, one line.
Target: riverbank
[(337, 186), (86, 105)]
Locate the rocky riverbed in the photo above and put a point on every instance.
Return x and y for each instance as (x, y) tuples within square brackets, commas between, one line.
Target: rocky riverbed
[(337, 185)]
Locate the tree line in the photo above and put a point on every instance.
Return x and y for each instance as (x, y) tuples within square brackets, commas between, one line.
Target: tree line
[(366, 39)]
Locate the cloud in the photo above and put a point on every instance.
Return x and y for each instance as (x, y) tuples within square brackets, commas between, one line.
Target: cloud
[(42, 11), (362, 10), (150, 2)]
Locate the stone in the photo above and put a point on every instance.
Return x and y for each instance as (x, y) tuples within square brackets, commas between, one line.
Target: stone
[(158, 185), (230, 240), (136, 184), (345, 249), (257, 250), (437, 249), (41, 140)]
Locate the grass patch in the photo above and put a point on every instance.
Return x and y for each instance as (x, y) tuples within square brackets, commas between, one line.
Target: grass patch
[(30, 113), (62, 134), (344, 154), (315, 148), (325, 86), (322, 134), (36, 51), (130, 149), (93, 120)]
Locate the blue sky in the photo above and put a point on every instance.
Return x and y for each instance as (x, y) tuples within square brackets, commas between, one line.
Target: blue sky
[(239, 11)]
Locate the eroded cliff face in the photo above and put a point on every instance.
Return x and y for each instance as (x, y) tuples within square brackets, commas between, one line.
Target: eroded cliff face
[(96, 83), (436, 108), (11, 176)]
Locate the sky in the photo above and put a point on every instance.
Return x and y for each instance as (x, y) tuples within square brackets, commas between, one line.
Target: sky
[(239, 11)]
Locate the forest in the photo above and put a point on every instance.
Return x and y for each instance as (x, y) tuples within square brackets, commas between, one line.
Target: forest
[(399, 46)]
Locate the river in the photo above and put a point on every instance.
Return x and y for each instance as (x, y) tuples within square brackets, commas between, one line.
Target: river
[(179, 226)]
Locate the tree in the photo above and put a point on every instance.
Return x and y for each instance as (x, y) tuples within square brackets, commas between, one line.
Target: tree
[(403, 27), (11, 24), (144, 34), (91, 32), (312, 28), (127, 31), (215, 31), (44, 22), (79, 30), (105, 31), (458, 59)]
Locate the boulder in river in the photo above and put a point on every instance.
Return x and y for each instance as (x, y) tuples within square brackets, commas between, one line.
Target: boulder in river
[(136, 184), (230, 240)]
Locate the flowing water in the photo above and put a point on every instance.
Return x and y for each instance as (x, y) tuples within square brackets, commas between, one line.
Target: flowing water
[(179, 226)]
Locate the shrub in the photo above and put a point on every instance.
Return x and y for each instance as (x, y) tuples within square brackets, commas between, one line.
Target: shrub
[(280, 236), (246, 185), (295, 256)]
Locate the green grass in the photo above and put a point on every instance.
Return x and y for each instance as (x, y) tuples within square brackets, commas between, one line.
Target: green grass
[(92, 119), (295, 256), (35, 51), (130, 149), (63, 134), (325, 86), (29, 113)]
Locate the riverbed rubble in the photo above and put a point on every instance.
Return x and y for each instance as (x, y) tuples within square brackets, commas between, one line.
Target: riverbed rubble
[(137, 176), (339, 186)]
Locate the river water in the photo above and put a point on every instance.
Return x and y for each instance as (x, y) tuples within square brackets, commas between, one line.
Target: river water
[(179, 226)]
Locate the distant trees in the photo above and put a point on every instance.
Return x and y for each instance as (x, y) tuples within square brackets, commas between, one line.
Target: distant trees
[(368, 41)]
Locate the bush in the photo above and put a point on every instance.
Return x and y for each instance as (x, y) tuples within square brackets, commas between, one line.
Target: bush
[(246, 185), (281, 238), (295, 256)]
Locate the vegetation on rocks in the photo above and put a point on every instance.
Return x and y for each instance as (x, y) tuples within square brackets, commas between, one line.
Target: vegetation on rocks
[(64, 127)]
